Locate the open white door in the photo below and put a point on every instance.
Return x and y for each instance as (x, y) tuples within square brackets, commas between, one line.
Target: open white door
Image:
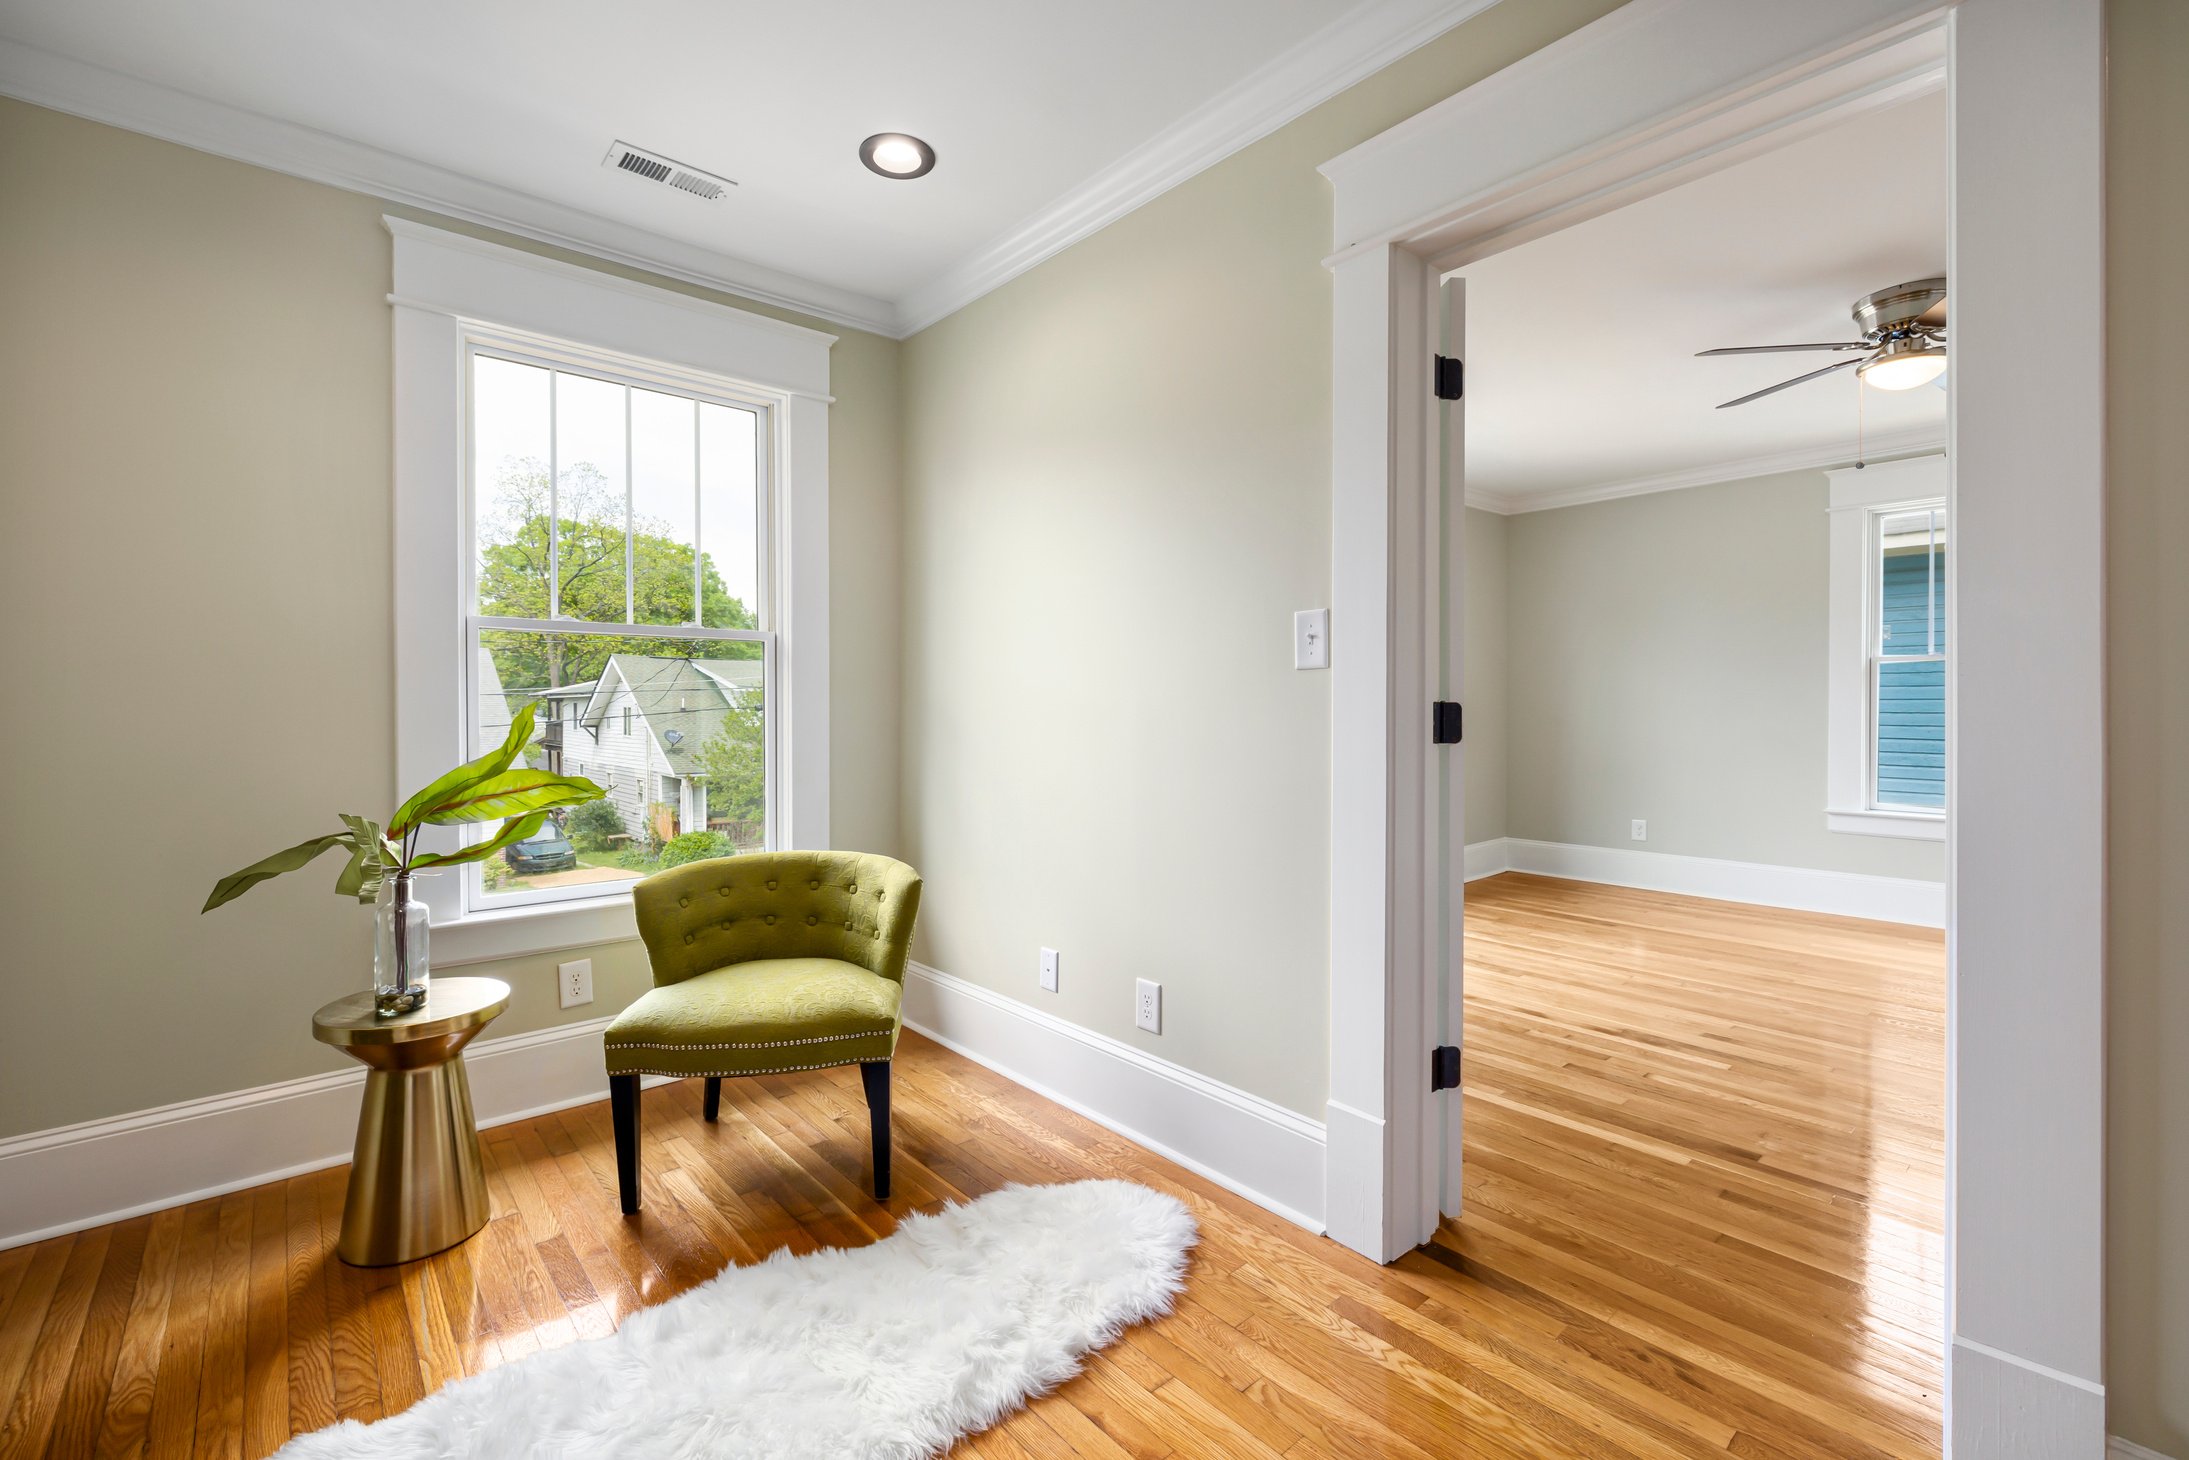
[(1449, 783)]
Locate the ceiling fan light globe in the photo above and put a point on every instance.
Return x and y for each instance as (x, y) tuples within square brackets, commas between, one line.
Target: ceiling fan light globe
[(1905, 370)]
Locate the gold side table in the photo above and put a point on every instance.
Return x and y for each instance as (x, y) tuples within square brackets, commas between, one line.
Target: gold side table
[(417, 1183)]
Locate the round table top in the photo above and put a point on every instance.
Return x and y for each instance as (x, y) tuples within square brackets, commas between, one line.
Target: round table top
[(452, 1004)]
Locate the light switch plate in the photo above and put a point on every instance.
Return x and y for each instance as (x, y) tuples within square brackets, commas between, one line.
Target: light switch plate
[(1048, 969), (575, 983), (1311, 639), (1148, 1005)]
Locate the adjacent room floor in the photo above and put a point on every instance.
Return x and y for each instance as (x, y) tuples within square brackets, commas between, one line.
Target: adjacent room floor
[(1703, 1219)]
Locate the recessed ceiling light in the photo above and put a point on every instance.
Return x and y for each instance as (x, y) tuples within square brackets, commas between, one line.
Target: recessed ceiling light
[(893, 154)]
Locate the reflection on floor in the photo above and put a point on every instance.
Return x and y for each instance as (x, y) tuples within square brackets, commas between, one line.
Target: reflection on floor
[(1702, 1220)]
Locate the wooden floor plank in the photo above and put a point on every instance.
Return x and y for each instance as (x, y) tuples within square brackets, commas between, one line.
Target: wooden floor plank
[(1702, 1220)]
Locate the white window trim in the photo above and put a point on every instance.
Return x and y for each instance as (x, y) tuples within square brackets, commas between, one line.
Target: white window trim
[(1857, 495), (447, 285)]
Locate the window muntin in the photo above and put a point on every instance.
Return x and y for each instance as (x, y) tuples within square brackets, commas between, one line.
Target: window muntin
[(1907, 681), (610, 519)]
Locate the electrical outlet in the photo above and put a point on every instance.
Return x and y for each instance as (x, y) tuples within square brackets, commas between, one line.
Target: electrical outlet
[(1311, 639), (1640, 831), (576, 985), (1048, 969), (1148, 1005)]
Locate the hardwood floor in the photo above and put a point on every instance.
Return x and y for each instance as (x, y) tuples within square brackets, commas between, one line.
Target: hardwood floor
[(1702, 1219)]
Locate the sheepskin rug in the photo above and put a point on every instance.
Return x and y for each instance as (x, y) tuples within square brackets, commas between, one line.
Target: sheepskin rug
[(886, 1352)]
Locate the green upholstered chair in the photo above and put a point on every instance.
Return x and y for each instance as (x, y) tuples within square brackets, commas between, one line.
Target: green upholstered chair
[(766, 963)]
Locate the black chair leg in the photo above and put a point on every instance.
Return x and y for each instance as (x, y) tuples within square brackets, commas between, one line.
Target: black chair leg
[(623, 1104), (712, 1104), (874, 1074)]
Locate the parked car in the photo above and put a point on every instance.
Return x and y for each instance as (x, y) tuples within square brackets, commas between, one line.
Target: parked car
[(546, 850)]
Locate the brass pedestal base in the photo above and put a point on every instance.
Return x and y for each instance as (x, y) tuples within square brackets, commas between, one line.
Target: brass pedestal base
[(417, 1183)]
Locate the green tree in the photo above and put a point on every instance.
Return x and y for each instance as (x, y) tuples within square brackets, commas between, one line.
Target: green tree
[(526, 534), (735, 762)]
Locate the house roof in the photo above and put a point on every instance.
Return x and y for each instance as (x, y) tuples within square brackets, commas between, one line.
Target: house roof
[(683, 701)]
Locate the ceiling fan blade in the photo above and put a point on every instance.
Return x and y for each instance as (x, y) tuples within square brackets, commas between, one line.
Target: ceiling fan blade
[(1782, 385), (1780, 349)]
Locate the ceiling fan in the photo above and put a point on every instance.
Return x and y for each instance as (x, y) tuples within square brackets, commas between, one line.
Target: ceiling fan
[(1903, 340)]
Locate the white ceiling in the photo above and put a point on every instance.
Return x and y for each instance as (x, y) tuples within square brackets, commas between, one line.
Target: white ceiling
[(1581, 376), (1021, 101)]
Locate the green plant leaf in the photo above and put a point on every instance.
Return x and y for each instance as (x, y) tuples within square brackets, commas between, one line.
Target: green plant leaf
[(235, 884), (420, 807), (513, 793), (515, 830), (368, 860)]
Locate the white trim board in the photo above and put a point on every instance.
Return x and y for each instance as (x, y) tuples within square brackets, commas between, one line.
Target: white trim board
[(1266, 1153), (2117, 1448), (100, 95), (1847, 894), (1350, 49), (1510, 504), (1488, 858), (63, 1180)]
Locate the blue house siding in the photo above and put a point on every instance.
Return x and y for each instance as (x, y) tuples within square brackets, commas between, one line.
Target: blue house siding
[(1911, 693)]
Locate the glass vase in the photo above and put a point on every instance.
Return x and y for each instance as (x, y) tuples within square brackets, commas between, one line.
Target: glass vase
[(401, 966)]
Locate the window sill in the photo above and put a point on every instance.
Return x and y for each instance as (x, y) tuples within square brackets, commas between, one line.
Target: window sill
[(541, 928), (1929, 826)]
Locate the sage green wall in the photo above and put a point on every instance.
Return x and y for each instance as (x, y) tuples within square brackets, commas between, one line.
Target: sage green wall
[(194, 458), (1117, 491), (1668, 663), (2147, 670), (1488, 688)]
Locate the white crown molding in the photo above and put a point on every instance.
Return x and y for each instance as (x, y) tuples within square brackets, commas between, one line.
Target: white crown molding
[(1349, 49), (1814, 458), (1257, 1148), (45, 79)]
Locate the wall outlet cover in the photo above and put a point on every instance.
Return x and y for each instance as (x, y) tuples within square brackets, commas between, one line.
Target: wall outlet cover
[(1640, 831), (1148, 1005), (1049, 969), (574, 983)]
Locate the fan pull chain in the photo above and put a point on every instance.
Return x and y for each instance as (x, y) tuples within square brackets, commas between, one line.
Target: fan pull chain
[(1860, 396)]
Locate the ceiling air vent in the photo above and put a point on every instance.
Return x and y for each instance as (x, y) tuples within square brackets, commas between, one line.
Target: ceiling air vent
[(655, 168)]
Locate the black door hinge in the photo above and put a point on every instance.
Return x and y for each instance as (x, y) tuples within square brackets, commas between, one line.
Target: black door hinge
[(1444, 723), (1444, 1067), (1451, 376)]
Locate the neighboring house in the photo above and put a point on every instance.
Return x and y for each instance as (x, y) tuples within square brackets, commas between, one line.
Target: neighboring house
[(638, 730)]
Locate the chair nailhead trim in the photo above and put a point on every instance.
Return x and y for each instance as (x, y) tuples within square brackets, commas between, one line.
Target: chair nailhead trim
[(735, 1074), (757, 1044)]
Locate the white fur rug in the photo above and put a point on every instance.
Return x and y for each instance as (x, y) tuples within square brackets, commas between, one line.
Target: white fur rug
[(887, 1352)]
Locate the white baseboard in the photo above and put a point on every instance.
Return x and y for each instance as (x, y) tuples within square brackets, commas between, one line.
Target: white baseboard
[(1488, 858), (64, 1180), (1270, 1155), (2005, 1407), (1849, 894), (2117, 1448)]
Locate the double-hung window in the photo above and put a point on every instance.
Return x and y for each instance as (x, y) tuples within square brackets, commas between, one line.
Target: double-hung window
[(618, 526), (611, 505), (1887, 689)]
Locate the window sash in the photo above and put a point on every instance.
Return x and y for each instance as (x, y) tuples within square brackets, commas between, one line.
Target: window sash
[(553, 357), (475, 897)]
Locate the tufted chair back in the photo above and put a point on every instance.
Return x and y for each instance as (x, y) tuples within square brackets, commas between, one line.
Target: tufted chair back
[(851, 906)]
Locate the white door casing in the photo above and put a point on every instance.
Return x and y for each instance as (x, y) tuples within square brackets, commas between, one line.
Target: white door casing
[(1656, 92)]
